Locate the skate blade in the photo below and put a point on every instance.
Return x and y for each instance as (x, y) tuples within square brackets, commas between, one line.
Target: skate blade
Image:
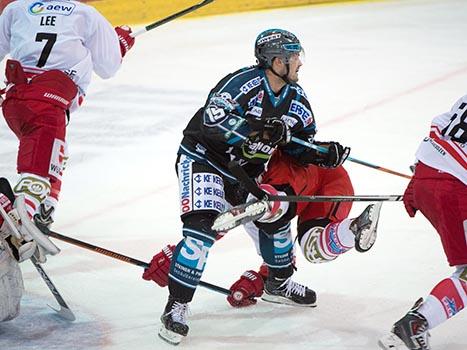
[(239, 215), (170, 337), (392, 342), (367, 237), (276, 299)]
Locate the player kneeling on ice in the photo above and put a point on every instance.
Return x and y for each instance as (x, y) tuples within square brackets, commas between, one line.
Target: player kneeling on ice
[(438, 190), (247, 115)]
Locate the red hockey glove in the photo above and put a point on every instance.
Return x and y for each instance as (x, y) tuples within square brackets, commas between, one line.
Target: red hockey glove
[(409, 200), (126, 41), (158, 270), (244, 291)]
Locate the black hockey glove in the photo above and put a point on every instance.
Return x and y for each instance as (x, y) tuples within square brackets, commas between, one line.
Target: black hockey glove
[(272, 130), (266, 135), (335, 156)]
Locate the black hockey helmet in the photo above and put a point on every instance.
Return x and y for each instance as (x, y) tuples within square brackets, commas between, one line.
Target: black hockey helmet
[(273, 43)]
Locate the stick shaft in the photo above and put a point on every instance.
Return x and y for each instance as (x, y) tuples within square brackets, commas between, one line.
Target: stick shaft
[(124, 258), (171, 17)]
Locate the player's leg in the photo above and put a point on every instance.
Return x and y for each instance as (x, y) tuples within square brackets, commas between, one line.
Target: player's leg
[(201, 199), (324, 229), (36, 113), (276, 248), (443, 201)]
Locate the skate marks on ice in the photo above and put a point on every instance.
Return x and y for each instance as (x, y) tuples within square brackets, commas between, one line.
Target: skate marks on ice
[(38, 328), (118, 115)]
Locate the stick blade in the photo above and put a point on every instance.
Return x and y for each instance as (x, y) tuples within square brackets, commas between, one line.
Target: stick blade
[(64, 313)]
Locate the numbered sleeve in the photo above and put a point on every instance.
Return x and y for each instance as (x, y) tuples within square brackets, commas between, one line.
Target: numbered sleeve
[(221, 116), (455, 122), (102, 41)]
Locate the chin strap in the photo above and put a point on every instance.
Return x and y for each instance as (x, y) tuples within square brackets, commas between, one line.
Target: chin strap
[(285, 77)]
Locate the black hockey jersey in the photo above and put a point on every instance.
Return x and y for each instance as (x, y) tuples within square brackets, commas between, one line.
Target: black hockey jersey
[(216, 132)]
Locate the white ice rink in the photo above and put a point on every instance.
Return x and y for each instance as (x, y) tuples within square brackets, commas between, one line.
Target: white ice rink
[(376, 74)]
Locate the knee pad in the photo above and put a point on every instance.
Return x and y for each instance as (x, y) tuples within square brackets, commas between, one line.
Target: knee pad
[(312, 246), (199, 223), (11, 287), (35, 190)]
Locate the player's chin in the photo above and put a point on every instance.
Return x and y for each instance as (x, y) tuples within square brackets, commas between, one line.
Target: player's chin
[(294, 78)]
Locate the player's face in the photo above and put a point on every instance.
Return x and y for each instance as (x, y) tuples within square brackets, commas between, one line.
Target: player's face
[(295, 63)]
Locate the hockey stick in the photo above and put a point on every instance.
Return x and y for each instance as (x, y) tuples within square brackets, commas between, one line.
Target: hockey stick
[(64, 311), (124, 258), (171, 18), (253, 188), (325, 150), (361, 162), (251, 211)]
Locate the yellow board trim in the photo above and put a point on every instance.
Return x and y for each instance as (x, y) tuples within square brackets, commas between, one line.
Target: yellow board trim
[(120, 12)]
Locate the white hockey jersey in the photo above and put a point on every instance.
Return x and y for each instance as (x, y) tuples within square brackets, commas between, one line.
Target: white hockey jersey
[(445, 148), (60, 34)]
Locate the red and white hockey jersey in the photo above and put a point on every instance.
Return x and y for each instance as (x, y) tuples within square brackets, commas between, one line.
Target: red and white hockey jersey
[(445, 148), (59, 34)]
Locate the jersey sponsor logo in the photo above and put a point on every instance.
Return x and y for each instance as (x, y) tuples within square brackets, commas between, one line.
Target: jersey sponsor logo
[(52, 8), (302, 112), (450, 306), (255, 111), (257, 99), (193, 253), (282, 244), (437, 147), (291, 122), (184, 169), (208, 192), (335, 247), (57, 159), (250, 85)]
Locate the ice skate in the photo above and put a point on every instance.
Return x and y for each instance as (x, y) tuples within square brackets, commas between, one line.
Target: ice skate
[(364, 227), (174, 326), (410, 332), (288, 292)]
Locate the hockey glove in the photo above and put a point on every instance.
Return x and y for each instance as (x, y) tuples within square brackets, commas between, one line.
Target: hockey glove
[(335, 156), (408, 199), (259, 145), (158, 270), (125, 39), (244, 291)]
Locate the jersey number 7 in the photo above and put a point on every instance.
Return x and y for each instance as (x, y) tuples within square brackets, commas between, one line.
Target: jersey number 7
[(51, 39)]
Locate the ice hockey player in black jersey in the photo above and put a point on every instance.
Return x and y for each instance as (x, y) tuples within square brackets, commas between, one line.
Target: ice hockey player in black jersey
[(247, 115)]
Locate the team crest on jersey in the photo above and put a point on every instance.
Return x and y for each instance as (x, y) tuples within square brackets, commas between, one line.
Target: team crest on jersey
[(63, 8)]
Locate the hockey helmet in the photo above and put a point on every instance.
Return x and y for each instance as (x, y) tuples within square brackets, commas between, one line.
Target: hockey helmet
[(273, 43)]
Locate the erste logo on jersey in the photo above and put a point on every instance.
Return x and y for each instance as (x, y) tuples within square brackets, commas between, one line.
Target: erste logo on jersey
[(250, 85), (52, 8), (302, 112)]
